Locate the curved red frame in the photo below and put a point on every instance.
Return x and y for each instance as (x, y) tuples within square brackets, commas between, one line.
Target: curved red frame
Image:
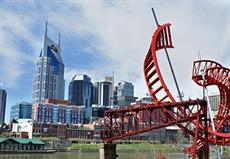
[(215, 74), (161, 39), (191, 116)]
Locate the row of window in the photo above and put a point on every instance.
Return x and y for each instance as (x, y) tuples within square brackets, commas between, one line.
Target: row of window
[(45, 115)]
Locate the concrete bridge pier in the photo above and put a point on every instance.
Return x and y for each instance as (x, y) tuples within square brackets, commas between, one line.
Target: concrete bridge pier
[(108, 151)]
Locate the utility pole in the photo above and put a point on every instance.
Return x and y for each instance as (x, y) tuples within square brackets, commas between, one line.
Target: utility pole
[(210, 112)]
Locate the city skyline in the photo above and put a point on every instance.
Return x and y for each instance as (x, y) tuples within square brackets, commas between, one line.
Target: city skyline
[(99, 45)]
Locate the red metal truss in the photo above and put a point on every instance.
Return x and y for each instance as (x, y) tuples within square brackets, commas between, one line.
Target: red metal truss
[(135, 120), (130, 121), (215, 74), (190, 116)]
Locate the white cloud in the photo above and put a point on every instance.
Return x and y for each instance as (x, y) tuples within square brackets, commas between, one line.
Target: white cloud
[(124, 31), (15, 33)]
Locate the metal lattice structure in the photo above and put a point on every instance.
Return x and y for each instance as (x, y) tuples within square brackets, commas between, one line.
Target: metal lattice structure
[(190, 116), (214, 74)]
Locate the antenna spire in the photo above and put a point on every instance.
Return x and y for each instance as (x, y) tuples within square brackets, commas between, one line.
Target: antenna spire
[(45, 40), (59, 39), (46, 28)]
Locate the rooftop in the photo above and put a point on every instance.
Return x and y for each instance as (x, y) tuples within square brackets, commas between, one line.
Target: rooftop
[(23, 141)]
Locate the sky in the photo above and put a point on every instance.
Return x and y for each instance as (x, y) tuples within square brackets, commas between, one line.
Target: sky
[(99, 38)]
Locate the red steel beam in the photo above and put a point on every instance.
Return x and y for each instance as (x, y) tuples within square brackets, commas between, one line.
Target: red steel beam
[(131, 121)]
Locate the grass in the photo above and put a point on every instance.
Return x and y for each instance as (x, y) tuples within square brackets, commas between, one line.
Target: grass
[(145, 147), (84, 147), (226, 154)]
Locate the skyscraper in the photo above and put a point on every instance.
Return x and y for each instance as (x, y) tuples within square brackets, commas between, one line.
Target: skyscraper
[(111, 80), (21, 110), (80, 90), (115, 103), (105, 95), (3, 95), (95, 93), (125, 89), (125, 94), (49, 77), (113, 99), (80, 93)]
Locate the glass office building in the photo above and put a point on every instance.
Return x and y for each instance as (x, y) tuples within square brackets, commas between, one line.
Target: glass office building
[(21, 110), (95, 93), (125, 94), (3, 95), (125, 89), (80, 93), (105, 93), (80, 90), (49, 76)]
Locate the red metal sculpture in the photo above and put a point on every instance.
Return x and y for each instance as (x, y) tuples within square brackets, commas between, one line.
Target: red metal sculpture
[(215, 74), (190, 116)]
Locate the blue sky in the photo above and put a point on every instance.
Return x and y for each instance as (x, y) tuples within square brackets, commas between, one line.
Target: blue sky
[(102, 37)]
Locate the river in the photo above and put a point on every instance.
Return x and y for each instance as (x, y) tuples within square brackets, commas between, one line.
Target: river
[(88, 155)]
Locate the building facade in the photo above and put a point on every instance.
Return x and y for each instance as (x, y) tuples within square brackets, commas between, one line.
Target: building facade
[(125, 89), (49, 130), (95, 93), (98, 112), (79, 133), (21, 110), (80, 93), (3, 96), (49, 77), (23, 128), (105, 94), (12, 145), (115, 102), (57, 113), (214, 101), (125, 94), (62, 131), (147, 100), (80, 90), (111, 80)]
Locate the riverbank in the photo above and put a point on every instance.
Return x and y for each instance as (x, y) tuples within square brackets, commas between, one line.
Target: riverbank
[(144, 147), (91, 155), (26, 151), (149, 148)]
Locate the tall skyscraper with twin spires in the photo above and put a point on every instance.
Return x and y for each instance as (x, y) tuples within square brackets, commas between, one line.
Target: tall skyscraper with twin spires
[(49, 76)]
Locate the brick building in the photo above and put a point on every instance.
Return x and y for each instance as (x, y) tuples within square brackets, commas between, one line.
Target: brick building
[(57, 112), (62, 131)]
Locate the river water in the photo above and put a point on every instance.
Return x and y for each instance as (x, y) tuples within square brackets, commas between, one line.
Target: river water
[(89, 155)]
